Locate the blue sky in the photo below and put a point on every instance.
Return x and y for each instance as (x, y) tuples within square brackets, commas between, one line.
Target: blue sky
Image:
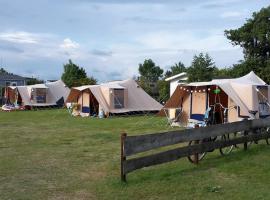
[(110, 37)]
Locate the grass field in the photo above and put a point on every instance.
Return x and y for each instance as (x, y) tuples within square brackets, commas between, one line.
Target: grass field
[(50, 155)]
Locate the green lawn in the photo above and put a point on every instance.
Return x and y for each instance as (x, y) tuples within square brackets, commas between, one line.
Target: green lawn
[(51, 155)]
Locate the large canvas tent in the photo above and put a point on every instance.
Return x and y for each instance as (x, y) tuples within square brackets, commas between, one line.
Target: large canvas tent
[(244, 97), (113, 98), (39, 95)]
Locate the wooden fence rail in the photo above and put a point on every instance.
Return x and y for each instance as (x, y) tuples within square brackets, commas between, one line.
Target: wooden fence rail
[(132, 145)]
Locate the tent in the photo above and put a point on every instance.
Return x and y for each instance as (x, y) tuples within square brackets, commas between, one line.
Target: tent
[(244, 97), (113, 98), (39, 95)]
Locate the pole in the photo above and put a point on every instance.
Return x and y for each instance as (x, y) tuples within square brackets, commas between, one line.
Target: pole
[(196, 155), (123, 157)]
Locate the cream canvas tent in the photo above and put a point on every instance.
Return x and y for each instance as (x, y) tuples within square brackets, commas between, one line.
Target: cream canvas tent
[(39, 95), (244, 97), (113, 98)]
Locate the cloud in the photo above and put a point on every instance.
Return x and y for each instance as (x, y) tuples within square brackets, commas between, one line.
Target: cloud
[(69, 44), (231, 14), (212, 5), (110, 36), (218, 4), (10, 48), (173, 41), (101, 52), (148, 20), (20, 37), (131, 1)]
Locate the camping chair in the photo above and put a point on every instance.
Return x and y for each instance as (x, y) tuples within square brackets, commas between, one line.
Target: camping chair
[(172, 120)]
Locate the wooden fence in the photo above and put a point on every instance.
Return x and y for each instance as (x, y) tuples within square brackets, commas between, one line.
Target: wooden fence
[(132, 145)]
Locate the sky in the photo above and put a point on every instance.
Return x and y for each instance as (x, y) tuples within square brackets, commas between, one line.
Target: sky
[(109, 38)]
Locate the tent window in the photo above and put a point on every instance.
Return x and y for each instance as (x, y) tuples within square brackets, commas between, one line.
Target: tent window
[(119, 98), (41, 95)]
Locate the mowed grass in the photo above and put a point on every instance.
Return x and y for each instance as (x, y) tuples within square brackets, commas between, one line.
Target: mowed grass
[(51, 155)]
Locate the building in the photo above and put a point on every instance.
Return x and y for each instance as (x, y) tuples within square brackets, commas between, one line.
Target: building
[(8, 79), (176, 80)]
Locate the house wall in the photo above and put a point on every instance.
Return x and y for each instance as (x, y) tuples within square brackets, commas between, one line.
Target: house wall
[(174, 83), (173, 86), (19, 82)]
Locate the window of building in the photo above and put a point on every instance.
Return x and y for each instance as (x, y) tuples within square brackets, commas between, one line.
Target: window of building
[(8, 83), (13, 84), (119, 96)]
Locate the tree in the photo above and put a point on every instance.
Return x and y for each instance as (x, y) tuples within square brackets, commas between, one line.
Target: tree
[(86, 81), (3, 71), (164, 86), (201, 69), (149, 71), (33, 81), (254, 35), (74, 75), (254, 38), (222, 73), (163, 90), (149, 76), (177, 68)]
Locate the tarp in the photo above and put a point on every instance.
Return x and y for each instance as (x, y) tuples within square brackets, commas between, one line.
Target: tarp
[(136, 99), (54, 92), (57, 90), (243, 91)]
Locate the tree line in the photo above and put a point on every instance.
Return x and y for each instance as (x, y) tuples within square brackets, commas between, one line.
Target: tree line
[(152, 77)]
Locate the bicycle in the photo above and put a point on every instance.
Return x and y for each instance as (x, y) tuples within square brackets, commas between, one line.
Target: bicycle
[(211, 119)]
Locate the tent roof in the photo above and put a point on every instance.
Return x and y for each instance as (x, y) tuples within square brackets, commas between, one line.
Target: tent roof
[(138, 99), (38, 86), (183, 75), (84, 87), (198, 84), (249, 79), (113, 86)]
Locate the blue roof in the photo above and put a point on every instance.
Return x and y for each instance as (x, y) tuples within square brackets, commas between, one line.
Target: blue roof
[(9, 76)]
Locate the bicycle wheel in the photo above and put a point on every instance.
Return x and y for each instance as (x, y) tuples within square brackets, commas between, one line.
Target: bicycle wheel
[(266, 130), (226, 150), (191, 158)]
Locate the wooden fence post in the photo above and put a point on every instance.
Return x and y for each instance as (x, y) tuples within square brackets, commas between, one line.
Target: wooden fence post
[(245, 144), (196, 156), (123, 157)]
